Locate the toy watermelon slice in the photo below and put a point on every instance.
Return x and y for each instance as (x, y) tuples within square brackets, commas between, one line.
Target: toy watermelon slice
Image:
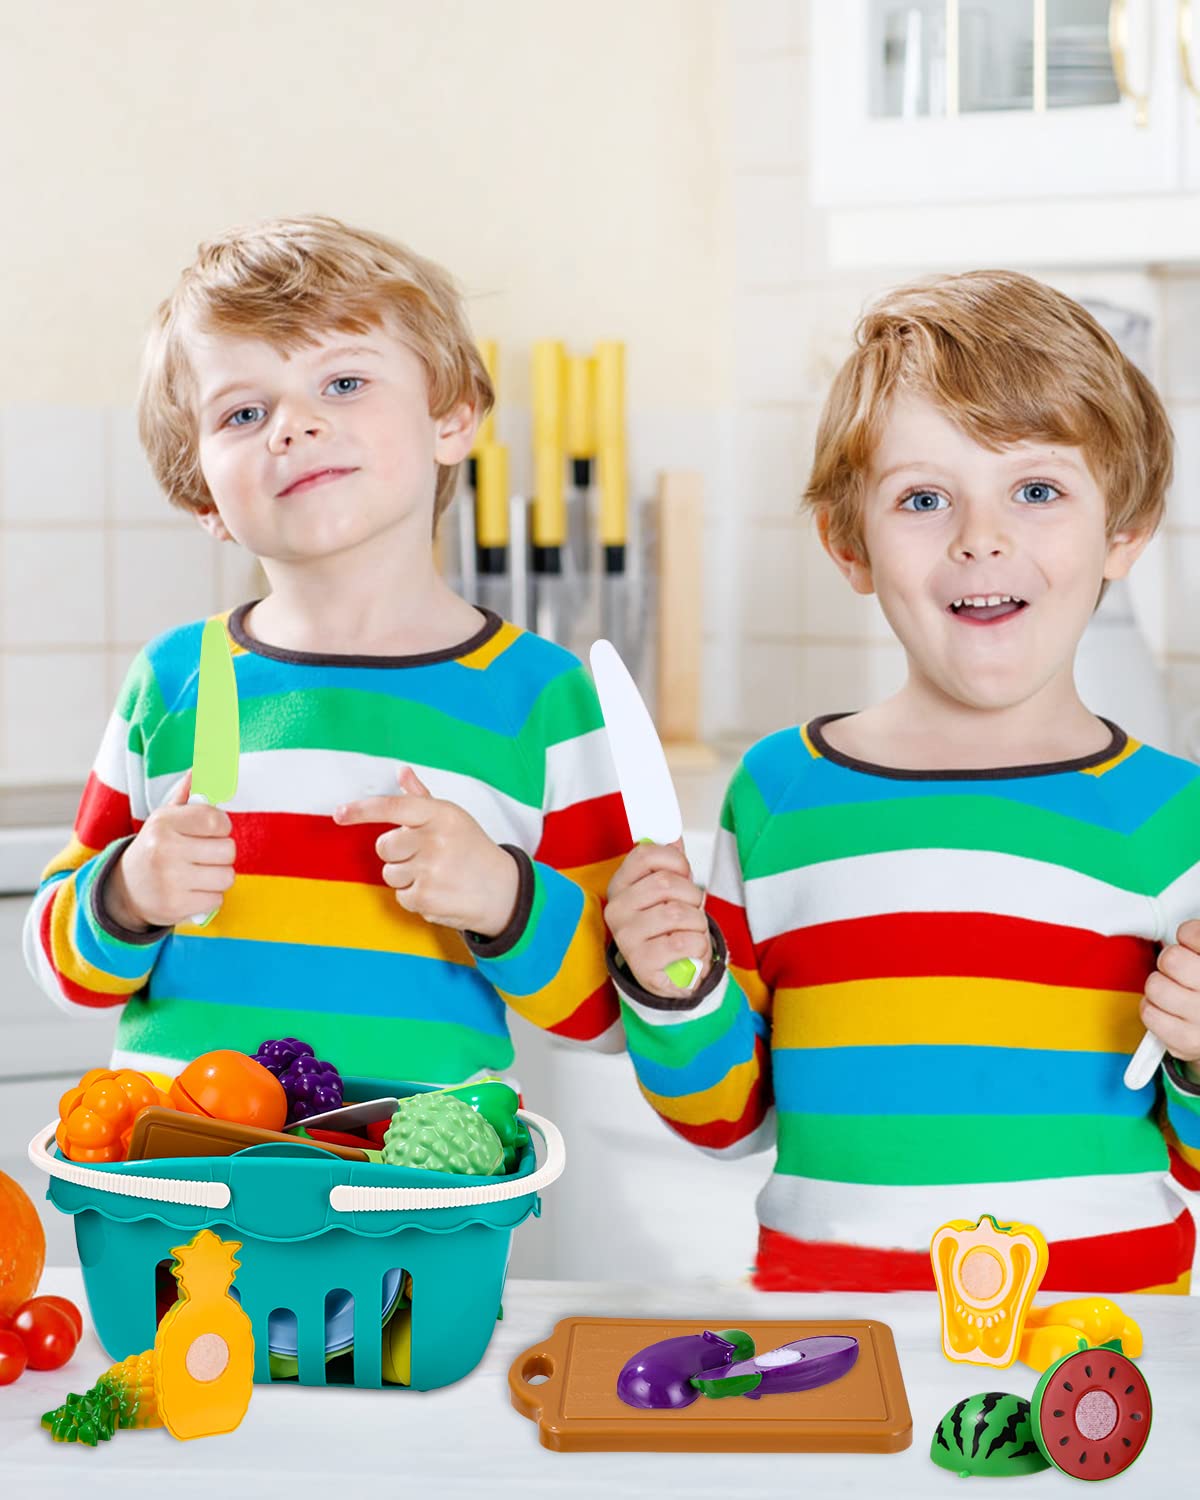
[(1091, 1412), (988, 1434)]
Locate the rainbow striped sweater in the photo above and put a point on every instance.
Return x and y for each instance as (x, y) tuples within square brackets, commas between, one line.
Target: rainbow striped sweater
[(309, 941), (927, 995)]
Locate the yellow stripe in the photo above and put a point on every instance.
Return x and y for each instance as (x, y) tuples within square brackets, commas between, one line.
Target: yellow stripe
[(957, 1012), (725, 1100), (485, 655), (66, 959), (74, 855), (328, 914), (595, 878), (1130, 746), (808, 744), (583, 971), (1180, 1288), (753, 988)]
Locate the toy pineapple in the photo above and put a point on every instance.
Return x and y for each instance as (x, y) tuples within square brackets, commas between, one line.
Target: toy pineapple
[(204, 1348)]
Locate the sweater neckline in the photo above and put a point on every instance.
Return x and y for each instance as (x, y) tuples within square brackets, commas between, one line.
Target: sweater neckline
[(237, 629)]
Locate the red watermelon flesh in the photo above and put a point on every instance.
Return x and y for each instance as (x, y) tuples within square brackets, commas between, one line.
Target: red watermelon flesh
[(1091, 1413)]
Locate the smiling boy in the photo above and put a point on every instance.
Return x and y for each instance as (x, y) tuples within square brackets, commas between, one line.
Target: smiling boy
[(426, 813), (941, 922)]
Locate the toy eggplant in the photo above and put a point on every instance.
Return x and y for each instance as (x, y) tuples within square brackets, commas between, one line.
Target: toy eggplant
[(799, 1366), (661, 1374)]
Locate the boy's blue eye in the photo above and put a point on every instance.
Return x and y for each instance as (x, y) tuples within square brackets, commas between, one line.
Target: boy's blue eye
[(924, 500), (345, 385), (1038, 492), (248, 412)]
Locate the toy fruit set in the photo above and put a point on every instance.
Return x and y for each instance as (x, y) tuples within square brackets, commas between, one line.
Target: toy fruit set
[(1090, 1412), (674, 1372), (352, 1199), (197, 1379), (36, 1333)]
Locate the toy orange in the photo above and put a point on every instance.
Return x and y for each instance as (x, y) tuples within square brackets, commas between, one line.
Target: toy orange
[(204, 1348), (231, 1086), (97, 1115), (22, 1247)]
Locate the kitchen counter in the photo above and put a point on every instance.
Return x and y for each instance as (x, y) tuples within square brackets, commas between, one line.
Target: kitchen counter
[(466, 1440)]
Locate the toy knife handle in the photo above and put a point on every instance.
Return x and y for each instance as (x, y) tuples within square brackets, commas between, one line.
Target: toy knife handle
[(205, 917), (1144, 1063), (684, 972)]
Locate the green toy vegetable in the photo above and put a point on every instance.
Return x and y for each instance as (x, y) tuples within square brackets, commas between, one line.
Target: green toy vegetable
[(989, 1434), (440, 1133)]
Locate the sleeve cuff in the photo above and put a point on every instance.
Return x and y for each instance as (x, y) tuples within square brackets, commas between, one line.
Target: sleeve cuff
[(99, 912), (504, 942), (629, 987), (1180, 1078)]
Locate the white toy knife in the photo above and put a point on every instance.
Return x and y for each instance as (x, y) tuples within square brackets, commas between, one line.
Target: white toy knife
[(642, 773)]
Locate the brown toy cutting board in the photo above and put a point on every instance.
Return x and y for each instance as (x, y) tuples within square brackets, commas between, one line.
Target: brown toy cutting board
[(576, 1406)]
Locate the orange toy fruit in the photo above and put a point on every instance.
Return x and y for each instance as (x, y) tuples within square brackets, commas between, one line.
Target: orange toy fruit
[(22, 1247), (96, 1116), (986, 1275), (204, 1348), (231, 1086)]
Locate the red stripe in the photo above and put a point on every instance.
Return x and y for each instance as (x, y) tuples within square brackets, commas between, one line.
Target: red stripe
[(585, 833), (1111, 1263), (77, 993), (103, 814), (731, 919), (307, 846), (955, 944), (718, 1134), (592, 1018)]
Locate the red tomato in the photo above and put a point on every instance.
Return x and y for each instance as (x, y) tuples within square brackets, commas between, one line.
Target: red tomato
[(13, 1358), (47, 1333), (64, 1304)]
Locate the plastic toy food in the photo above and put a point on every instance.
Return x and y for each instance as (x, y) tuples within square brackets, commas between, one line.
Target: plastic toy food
[(230, 1086), (312, 1086), (131, 1387), (799, 1366), (990, 1434), (122, 1398), (65, 1305), (397, 1347), (13, 1357), (204, 1348), (498, 1104), (1054, 1331), (47, 1332), (22, 1246), (96, 1116), (986, 1275), (442, 1134), (1091, 1412), (82, 1419), (661, 1374)]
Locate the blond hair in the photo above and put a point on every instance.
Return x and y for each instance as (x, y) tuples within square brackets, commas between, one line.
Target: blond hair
[(289, 281), (1008, 359)]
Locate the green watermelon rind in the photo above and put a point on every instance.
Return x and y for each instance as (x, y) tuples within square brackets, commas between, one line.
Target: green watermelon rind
[(1010, 1448)]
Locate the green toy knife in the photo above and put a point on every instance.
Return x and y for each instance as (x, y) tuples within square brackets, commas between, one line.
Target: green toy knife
[(642, 772), (217, 743)]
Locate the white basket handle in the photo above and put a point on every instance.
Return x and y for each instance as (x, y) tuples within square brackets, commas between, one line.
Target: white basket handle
[(159, 1189), (346, 1199)]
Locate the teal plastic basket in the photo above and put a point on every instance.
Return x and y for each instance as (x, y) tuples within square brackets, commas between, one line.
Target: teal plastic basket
[(312, 1227)]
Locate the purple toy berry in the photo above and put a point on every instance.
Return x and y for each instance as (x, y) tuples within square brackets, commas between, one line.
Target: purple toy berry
[(311, 1086)]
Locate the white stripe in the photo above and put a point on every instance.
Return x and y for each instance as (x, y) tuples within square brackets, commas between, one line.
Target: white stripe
[(317, 781), (905, 1217), (653, 1016), (147, 1062), (725, 877), (1179, 902), (578, 770), (944, 880), (611, 1039), (121, 769)]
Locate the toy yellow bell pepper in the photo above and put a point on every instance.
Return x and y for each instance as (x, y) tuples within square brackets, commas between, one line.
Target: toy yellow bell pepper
[(1053, 1332), (986, 1276)]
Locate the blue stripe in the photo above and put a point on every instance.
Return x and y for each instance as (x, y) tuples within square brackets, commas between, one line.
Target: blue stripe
[(1184, 1121), (355, 981), (955, 1081), (94, 946), (704, 1071), (531, 968)]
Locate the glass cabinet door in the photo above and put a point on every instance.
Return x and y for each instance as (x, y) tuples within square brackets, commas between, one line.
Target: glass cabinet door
[(953, 99)]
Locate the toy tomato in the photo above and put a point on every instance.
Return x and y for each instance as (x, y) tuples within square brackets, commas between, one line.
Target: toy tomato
[(65, 1305), (47, 1333), (97, 1115), (13, 1358)]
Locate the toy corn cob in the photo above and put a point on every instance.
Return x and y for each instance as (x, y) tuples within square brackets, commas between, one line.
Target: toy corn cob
[(123, 1397), (131, 1383)]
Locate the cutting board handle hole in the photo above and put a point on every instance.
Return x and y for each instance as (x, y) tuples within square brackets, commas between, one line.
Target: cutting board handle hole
[(538, 1370)]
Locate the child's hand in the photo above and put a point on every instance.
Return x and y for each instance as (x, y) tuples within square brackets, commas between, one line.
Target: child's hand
[(438, 860), (180, 862), (655, 913), (1171, 1004)]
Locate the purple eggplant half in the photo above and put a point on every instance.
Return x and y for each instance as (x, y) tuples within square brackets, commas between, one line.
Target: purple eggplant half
[(792, 1367), (661, 1374)]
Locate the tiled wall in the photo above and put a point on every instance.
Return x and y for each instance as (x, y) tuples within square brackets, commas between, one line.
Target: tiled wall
[(1180, 385), (93, 562)]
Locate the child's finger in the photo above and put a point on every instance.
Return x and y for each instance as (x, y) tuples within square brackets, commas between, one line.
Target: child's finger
[(662, 885), (397, 846), (1189, 935), (180, 792), (1171, 998), (213, 851), (1181, 965), (641, 859), (413, 784), (402, 812), (661, 920), (1180, 1037), (657, 957)]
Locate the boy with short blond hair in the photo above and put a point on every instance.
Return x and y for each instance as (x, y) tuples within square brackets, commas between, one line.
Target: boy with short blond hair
[(310, 391), (942, 922)]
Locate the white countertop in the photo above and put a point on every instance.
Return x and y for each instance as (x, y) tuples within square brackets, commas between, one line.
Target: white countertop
[(466, 1440)]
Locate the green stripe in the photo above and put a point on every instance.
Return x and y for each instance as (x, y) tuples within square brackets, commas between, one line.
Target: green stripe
[(903, 1150), (402, 1050), (341, 719), (534, 919), (140, 703), (743, 813), (1143, 861), (676, 1045), (566, 707)]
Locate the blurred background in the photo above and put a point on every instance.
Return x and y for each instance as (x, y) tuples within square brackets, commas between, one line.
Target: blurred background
[(717, 185)]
